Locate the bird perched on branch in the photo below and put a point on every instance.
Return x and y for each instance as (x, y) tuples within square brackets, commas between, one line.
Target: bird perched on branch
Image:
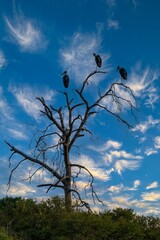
[(98, 60), (122, 72), (65, 79)]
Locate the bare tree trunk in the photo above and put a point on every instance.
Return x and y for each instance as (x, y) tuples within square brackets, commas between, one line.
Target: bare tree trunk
[(67, 183)]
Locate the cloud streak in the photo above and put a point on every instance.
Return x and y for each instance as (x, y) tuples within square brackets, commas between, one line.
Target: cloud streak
[(144, 126), (78, 58), (142, 83), (152, 185), (151, 196), (25, 33), (26, 97), (113, 24), (3, 60), (98, 172)]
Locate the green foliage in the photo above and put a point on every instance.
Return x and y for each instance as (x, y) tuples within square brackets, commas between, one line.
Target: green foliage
[(26, 219), (4, 235)]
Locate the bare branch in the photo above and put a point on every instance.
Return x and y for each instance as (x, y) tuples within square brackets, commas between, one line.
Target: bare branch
[(30, 176), (90, 75), (27, 157), (80, 199), (50, 185), (49, 114), (116, 115), (12, 171)]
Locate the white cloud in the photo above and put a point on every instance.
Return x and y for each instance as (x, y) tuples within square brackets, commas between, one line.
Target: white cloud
[(3, 60), (20, 189), (122, 102), (120, 201), (113, 24), (124, 154), (144, 126), (150, 151), (121, 160), (112, 144), (136, 183), (142, 83), (78, 57), (122, 165), (26, 97), (107, 145), (152, 196), (157, 142), (116, 189), (81, 185), (94, 168), (118, 160), (121, 187), (25, 33), (17, 133), (152, 185), (5, 110)]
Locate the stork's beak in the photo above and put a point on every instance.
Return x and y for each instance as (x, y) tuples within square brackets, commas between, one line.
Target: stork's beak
[(65, 72)]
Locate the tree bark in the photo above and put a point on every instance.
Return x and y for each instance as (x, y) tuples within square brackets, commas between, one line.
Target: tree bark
[(67, 182)]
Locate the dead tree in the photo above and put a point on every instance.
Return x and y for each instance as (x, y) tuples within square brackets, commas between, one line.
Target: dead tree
[(67, 130)]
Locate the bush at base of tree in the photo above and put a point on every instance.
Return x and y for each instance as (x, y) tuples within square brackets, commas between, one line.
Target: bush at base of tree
[(4, 235), (26, 219)]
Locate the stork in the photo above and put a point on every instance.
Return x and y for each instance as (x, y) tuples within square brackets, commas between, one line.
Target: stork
[(65, 79), (122, 72), (98, 59)]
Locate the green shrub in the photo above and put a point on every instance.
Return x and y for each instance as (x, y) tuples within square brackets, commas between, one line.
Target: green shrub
[(4, 235)]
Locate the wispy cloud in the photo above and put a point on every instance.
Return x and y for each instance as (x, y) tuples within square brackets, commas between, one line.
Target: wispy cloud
[(122, 165), (120, 201), (151, 196), (20, 189), (78, 58), (136, 183), (152, 185), (17, 133), (113, 24), (142, 83), (5, 109), (97, 171), (121, 187), (157, 142), (144, 126), (150, 151), (107, 145), (117, 159), (3, 60), (25, 33), (26, 97)]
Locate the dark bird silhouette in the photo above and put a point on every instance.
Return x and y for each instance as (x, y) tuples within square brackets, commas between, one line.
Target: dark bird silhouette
[(122, 72), (98, 60), (65, 79)]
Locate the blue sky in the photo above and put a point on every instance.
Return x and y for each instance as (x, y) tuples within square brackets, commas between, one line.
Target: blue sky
[(38, 41)]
